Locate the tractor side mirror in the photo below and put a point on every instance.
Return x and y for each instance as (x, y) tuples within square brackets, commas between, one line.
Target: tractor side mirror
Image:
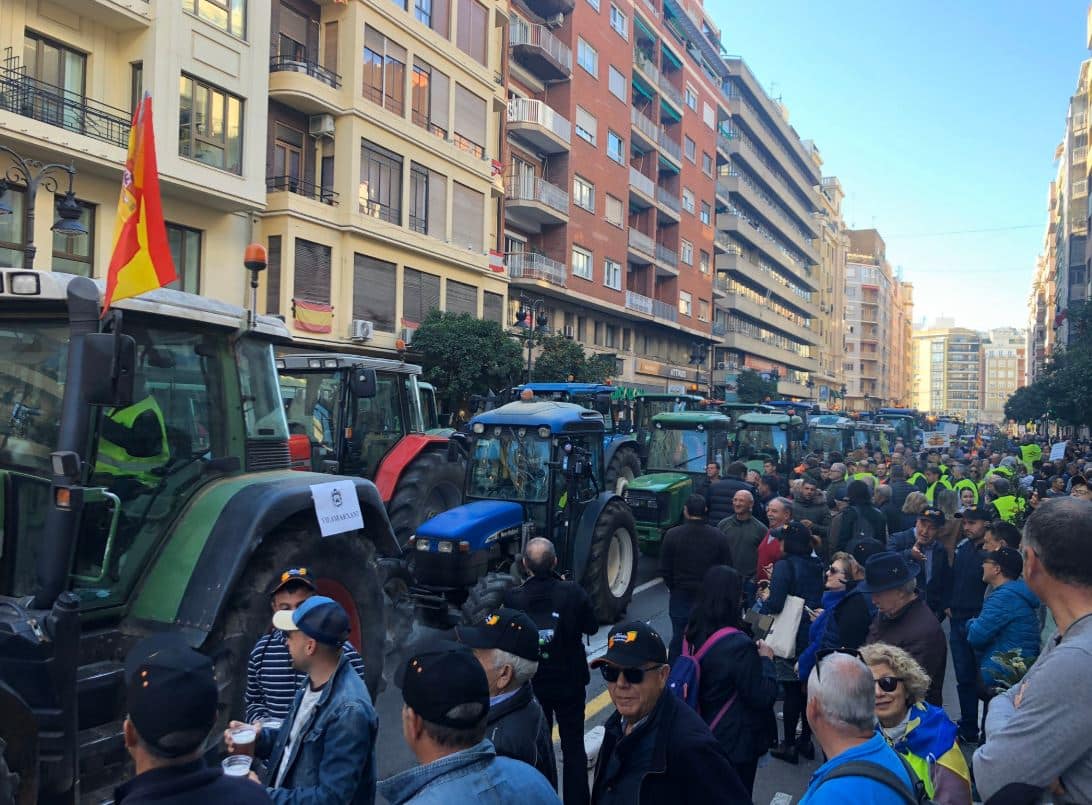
[(109, 367), (458, 447), (362, 383)]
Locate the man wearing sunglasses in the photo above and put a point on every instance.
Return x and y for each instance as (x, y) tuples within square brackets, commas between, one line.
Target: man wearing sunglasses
[(656, 748)]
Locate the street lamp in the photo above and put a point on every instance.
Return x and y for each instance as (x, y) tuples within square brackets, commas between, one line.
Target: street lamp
[(699, 351), (32, 173), (811, 385), (531, 320)]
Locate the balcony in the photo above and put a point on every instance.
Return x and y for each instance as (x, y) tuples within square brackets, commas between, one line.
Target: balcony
[(759, 239), (743, 111), (542, 53), (304, 85), (720, 286), (301, 187), (669, 146), (539, 126), (769, 317), (117, 15), (548, 8), (667, 260), (722, 244), (642, 190), (756, 346), (665, 311), (776, 218), (58, 107), (724, 143), (534, 267), (642, 248), (644, 128), (671, 92), (668, 203), (720, 329), (764, 276), (643, 63), (533, 203)]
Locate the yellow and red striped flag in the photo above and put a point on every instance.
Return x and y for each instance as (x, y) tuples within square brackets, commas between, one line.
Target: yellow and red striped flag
[(141, 260)]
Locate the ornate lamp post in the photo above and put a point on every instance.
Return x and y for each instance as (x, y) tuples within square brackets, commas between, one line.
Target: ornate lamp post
[(531, 320), (34, 174)]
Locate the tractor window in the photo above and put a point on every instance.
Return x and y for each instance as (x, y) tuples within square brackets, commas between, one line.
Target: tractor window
[(311, 406), (510, 464), (680, 450), (263, 414), (415, 412), (825, 440), (720, 448), (31, 386), (378, 423), (755, 442)]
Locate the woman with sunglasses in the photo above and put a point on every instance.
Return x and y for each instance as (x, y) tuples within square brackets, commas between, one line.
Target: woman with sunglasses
[(922, 733), (845, 617)]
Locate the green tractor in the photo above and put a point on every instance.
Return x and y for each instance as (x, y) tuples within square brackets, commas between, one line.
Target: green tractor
[(828, 433), (146, 487), (768, 437), (680, 447), (647, 406)]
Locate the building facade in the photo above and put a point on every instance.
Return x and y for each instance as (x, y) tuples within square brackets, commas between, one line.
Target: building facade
[(1003, 370), (830, 324), (947, 371)]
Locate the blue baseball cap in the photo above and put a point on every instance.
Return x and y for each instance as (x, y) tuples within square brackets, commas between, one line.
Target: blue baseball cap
[(320, 618)]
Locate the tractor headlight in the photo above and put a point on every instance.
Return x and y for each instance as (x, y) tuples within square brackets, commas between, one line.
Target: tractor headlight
[(422, 544), (479, 427), (544, 433), (445, 546)]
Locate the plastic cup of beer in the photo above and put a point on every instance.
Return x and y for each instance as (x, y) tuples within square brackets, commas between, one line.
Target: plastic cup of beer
[(242, 736), (270, 723), (236, 765)]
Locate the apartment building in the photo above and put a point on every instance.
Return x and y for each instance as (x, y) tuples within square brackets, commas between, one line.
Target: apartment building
[(767, 230), (830, 326), (382, 166), (1003, 370), (70, 75), (611, 180), (1040, 329), (902, 348), (947, 370)]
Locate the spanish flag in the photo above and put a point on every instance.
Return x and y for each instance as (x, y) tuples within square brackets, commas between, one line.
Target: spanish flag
[(141, 260)]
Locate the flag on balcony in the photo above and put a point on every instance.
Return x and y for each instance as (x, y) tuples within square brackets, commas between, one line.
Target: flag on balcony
[(496, 261), (141, 260), (313, 317)]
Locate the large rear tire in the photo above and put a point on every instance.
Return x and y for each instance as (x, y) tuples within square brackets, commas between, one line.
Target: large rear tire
[(611, 572), (486, 597), (430, 485), (625, 465)]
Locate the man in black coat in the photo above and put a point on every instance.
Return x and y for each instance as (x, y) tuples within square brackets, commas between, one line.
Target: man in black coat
[(919, 544), (900, 488), (720, 493), (656, 748), (563, 613)]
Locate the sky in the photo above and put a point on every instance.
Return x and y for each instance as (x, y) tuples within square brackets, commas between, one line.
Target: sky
[(937, 117)]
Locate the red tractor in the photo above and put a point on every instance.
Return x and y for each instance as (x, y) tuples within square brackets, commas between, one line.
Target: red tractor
[(354, 415)]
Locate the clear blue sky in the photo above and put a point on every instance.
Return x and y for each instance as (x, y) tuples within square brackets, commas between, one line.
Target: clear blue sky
[(936, 116)]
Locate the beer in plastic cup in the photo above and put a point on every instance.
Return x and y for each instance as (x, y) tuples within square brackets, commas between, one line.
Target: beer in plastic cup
[(243, 737), (236, 765)]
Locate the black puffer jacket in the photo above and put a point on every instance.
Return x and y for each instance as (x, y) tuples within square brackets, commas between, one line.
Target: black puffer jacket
[(518, 729), (719, 497)]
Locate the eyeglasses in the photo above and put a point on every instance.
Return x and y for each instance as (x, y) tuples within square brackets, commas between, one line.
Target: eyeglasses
[(822, 655), (888, 684), (634, 676), (833, 571)]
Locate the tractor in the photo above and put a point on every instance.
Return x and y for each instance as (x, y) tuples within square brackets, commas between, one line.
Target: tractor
[(768, 437), (648, 405), (534, 468), (680, 447), (146, 488), (828, 433), (380, 437), (904, 421)]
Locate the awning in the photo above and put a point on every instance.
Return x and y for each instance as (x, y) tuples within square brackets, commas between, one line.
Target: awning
[(642, 89), (648, 32), (669, 56)]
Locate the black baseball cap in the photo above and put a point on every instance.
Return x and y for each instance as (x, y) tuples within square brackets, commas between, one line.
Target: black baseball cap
[(171, 694), (439, 676), (506, 629), (320, 618), (935, 516), (631, 645), (1008, 559), (299, 574), (865, 548), (980, 512)]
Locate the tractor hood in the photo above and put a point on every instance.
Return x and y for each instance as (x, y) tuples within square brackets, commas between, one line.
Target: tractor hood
[(478, 523), (659, 481)]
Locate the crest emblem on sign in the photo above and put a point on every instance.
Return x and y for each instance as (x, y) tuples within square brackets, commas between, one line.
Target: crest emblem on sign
[(335, 497)]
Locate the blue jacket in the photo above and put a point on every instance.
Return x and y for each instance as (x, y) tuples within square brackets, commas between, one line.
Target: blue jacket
[(334, 758), (1009, 621), (968, 589), (858, 789), (475, 775), (938, 589), (801, 576), (851, 607)]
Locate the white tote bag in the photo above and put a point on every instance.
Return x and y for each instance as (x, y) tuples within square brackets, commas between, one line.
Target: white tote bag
[(782, 637)]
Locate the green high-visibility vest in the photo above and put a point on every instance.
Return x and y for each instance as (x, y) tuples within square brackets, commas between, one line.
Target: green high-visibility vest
[(967, 483), (930, 491), (114, 459), (1008, 506), (917, 476), (1029, 454)]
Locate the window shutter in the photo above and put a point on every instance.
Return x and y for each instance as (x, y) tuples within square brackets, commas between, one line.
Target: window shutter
[(273, 277), (420, 294), (330, 56), (374, 283), (293, 25), (441, 17), (462, 298), (467, 217), (439, 90), (493, 307), (471, 34), (469, 115), (437, 205), (311, 282)]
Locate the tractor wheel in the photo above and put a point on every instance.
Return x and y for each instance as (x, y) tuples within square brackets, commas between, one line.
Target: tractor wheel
[(486, 597), (429, 485), (624, 466), (612, 564), (344, 569)]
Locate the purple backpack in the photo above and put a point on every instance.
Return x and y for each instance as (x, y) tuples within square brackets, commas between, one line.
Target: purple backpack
[(685, 678)]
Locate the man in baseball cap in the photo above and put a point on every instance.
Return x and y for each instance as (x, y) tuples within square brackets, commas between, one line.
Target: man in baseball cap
[(506, 645), (656, 748), (171, 698), (325, 749), (445, 694), (271, 684)]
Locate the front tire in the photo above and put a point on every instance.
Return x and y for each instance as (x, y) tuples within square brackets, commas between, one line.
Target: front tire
[(625, 465), (611, 572), (430, 485), (486, 597)]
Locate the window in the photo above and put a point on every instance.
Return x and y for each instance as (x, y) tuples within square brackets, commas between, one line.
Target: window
[(12, 228), (420, 294), (686, 252), (493, 307), (616, 82), (374, 283), (62, 68), (384, 71), (703, 310), (706, 164), (690, 148), (429, 97), (227, 15), (613, 210), (272, 276), (428, 202), (311, 277), (461, 298), (185, 246), (75, 255), (688, 199), (691, 96), (586, 125), (469, 122), (587, 57), (136, 84), (707, 114), (210, 125), (615, 147), (706, 213), (380, 183), (594, 4), (287, 158), (619, 22), (703, 262), (582, 263), (612, 276), (472, 35), (684, 303), (468, 218), (583, 194)]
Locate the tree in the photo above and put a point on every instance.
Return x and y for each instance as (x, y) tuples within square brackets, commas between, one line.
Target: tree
[(463, 355), (1027, 403), (561, 358), (752, 388)]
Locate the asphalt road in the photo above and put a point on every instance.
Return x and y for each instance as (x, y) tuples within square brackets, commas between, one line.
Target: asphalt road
[(649, 604)]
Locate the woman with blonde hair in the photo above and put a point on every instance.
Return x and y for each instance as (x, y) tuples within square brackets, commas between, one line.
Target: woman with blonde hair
[(922, 733), (915, 504)]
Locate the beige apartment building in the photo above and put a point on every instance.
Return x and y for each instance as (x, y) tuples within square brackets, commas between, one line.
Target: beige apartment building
[(830, 324), (1003, 369), (947, 370)]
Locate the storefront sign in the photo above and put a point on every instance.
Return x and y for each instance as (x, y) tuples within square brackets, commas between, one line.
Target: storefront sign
[(646, 367)]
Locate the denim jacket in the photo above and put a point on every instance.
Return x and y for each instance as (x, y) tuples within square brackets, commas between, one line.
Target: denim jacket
[(333, 761), (475, 775)]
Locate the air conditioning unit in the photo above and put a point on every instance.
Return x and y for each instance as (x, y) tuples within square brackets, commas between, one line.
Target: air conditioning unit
[(407, 334), (321, 125), (570, 331), (555, 21), (361, 330)]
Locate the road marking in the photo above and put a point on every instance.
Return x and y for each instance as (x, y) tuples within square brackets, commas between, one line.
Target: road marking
[(648, 585), (591, 710)]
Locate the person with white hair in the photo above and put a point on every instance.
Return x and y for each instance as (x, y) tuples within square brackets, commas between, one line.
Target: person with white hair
[(506, 645)]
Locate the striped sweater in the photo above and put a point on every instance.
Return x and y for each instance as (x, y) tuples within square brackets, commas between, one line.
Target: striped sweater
[(272, 682)]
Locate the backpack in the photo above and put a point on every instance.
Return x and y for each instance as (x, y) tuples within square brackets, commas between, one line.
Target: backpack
[(874, 771), (860, 527), (685, 678), (545, 610)]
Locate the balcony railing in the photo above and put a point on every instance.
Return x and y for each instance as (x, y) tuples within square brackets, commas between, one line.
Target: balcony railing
[(539, 36), (668, 199), (638, 302), (723, 242), (667, 256), (532, 188), (643, 124), (29, 97), (720, 329), (645, 65), (528, 110), (641, 182), (720, 284), (642, 242), (534, 266), (672, 92), (1079, 153), (662, 310), (670, 145), (280, 64), (724, 143), (301, 187)]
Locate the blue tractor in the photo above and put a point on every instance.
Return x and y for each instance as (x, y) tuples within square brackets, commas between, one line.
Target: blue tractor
[(534, 468)]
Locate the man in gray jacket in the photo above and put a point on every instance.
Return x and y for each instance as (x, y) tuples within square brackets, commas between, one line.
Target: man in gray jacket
[(811, 508), (1037, 735)]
